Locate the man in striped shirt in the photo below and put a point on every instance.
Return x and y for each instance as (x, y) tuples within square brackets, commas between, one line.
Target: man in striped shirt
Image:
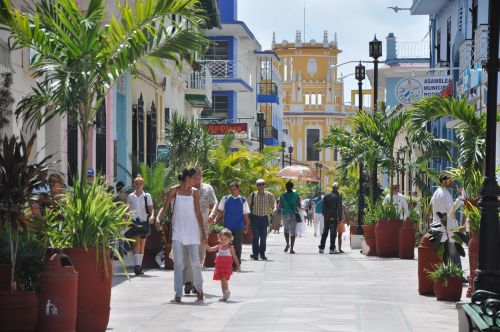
[(262, 204)]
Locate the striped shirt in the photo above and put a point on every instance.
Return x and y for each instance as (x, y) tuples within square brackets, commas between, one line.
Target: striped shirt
[(261, 204)]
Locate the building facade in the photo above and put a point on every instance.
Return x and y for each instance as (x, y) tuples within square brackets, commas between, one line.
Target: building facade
[(313, 99)]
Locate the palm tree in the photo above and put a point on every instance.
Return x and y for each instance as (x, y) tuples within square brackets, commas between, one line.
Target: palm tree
[(470, 131), (79, 54)]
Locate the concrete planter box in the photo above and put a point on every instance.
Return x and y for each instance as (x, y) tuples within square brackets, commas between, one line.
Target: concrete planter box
[(356, 241)]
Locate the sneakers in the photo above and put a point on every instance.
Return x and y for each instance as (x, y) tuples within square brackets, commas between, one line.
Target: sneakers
[(226, 295), (333, 252), (263, 257), (286, 248), (255, 257), (187, 288), (138, 270), (292, 252), (176, 299), (321, 250)]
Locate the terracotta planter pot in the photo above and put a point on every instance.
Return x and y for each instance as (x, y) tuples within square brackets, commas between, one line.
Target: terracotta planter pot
[(451, 292), (248, 237), (5, 270), (407, 240), (153, 246), (370, 239), (473, 260), (210, 256), (427, 260), (387, 234), (18, 311), (94, 288)]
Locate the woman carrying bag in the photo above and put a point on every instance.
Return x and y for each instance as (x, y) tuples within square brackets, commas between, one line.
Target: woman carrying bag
[(289, 204), (188, 232)]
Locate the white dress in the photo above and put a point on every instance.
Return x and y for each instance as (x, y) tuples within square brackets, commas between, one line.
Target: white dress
[(301, 226)]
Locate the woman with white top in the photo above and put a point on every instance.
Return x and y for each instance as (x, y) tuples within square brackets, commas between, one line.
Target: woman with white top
[(187, 230)]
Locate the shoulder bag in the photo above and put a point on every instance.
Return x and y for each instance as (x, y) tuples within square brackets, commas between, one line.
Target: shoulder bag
[(296, 213), (138, 227)]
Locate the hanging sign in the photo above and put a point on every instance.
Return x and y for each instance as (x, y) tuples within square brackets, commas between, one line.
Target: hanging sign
[(409, 90)]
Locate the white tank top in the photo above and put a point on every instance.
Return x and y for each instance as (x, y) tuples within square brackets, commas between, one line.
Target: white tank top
[(185, 227)]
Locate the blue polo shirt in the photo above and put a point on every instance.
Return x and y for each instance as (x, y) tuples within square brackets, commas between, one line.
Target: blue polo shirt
[(234, 208), (318, 203)]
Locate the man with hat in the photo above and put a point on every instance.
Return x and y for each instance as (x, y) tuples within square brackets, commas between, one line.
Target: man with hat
[(332, 213), (90, 175), (398, 200), (262, 204)]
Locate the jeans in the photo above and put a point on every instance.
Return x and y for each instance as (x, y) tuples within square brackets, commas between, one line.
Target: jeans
[(194, 259), (332, 227), (237, 241), (259, 230)]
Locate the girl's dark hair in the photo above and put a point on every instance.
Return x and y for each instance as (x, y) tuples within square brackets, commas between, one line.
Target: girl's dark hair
[(227, 233), (187, 172), (289, 187)]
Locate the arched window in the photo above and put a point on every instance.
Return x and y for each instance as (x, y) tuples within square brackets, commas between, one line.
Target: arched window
[(320, 99), (313, 99)]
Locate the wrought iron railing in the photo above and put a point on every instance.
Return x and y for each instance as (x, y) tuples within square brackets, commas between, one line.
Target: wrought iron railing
[(227, 69)]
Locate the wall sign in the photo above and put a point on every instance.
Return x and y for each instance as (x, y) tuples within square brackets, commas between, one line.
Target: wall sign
[(409, 90), (223, 128)]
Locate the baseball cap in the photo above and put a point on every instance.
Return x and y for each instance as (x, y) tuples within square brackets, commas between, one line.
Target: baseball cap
[(90, 172), (335, 185), (444, 176), (260, 181)]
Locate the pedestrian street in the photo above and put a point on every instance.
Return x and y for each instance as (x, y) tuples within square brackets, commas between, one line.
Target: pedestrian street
[(307, 291)]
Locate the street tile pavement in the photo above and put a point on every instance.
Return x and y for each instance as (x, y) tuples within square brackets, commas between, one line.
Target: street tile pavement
[(302, 292)]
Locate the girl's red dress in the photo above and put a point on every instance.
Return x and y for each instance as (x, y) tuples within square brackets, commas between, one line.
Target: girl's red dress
[(223, 263)]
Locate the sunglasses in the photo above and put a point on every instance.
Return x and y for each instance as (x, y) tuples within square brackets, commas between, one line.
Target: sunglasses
[(261, 184)]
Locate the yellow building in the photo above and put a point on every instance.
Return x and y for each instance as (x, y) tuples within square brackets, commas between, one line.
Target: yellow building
[(313, 100)]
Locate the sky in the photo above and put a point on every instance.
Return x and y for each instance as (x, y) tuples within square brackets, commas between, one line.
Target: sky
[(355, 21)]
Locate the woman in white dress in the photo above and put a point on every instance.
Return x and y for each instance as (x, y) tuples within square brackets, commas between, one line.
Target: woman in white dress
[(301, 226)]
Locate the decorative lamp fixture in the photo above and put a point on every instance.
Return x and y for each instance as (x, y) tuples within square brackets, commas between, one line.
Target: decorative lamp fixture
[(375, 48), (360, 72)]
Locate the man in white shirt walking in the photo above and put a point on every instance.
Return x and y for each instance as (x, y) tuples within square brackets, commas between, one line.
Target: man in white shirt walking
[(399, 201)]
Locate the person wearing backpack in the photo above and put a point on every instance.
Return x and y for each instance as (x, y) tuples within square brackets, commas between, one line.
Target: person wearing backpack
[(236, 215), (140, 205), (262, 204)]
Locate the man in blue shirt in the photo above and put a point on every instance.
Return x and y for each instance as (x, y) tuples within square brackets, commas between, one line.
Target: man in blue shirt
[(236, 215), (318, 214)]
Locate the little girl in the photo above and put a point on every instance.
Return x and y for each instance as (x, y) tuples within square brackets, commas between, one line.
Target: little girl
[(224, 261)]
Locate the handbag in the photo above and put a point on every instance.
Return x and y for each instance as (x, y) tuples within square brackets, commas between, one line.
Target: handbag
[(138, 227), (298, 218)]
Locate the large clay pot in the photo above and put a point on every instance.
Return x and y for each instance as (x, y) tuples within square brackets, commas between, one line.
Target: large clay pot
[(153, 246), (427, 260), (213, 240), (5, 271), (387, 234), (370, 239), (94, 288), (473, 260), (452, 291), (18, 311), (407, 240)]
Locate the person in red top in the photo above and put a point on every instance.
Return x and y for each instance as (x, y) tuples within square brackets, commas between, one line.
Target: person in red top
[(226, 255)]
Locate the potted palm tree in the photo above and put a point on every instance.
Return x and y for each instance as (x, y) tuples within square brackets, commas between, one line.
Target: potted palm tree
[(18, 302), (87, 225), (372, 215)]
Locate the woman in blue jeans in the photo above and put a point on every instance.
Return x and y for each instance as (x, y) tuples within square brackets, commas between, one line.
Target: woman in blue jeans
[(187, 230)]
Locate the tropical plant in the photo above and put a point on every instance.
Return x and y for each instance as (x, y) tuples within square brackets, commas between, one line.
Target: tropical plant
[(470, 179), (18, 176), (80, 53), (441, 237), (414, 216), (87, 217), (157, 179), (6, 98), (189, 142), (389, 212), (470, 131), (215, 228), (373, 213), (444, 272), (474, 215), (232, 161)]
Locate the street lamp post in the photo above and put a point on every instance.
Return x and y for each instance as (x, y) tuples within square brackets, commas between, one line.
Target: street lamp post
[(488, 271), (375, 50), (260, 120), (283, 146), (360, 76), (320, 165), (290, 151)]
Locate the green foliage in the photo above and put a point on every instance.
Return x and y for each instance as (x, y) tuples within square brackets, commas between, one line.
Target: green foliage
[(80, 52), (215, 228), (373, 213), (441, 247), (389, 212), (87, 217), (414, 216), (232, 161), (6, 98), (189, 142), (157, 179), (473, 213), (445, 272), (470, 179)]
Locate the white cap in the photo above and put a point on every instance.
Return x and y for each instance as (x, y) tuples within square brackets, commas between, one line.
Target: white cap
[(335, 185), (259, 181)]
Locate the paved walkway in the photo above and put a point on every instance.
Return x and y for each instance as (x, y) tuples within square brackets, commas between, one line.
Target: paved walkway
[(302, 292)]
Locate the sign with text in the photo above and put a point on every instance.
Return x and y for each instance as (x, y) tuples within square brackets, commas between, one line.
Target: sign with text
[(224, 128), (409, 90)]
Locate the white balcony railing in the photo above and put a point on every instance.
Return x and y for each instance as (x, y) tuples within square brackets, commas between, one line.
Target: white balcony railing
[(228, 69), (200, 81), (481, 44), (412, 50)]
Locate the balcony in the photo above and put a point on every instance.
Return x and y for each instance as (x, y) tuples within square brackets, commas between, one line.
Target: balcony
[(199, 88), (228, 75), (267, 93), (412, 50), (481, 44)]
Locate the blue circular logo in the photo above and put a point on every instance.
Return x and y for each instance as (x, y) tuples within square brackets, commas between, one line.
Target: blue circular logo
[(409, 91)]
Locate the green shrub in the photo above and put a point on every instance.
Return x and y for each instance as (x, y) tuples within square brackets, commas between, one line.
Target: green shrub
[(444, 272)]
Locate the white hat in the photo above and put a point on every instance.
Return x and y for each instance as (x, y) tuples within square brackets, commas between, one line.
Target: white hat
[(259, 181), (335, 185)]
